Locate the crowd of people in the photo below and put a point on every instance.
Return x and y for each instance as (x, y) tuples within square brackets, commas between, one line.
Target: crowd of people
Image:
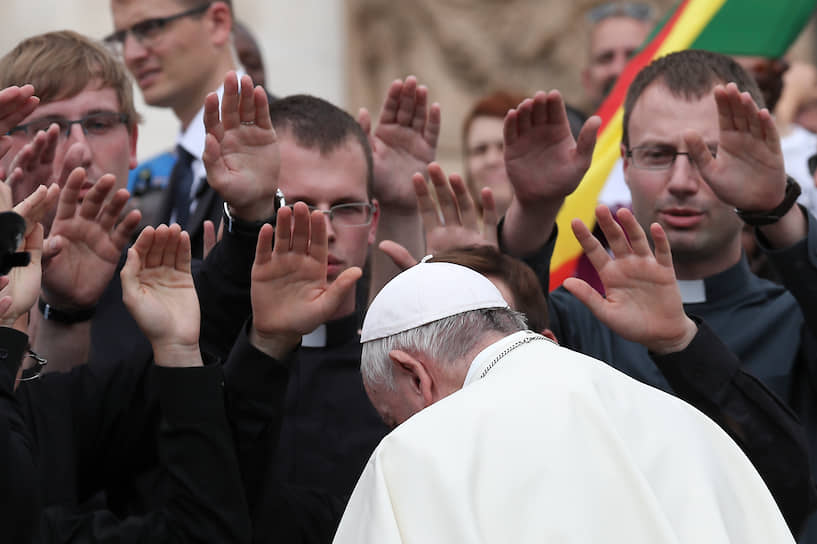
[(301, 330)]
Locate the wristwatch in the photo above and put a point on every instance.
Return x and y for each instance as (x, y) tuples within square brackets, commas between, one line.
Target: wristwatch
[(239, 226), (759, 219)]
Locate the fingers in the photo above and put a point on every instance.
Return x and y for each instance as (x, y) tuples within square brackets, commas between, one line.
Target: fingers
[(230, 116), (262, 118), (36, 205), (613, 232), (490, 217), (510, 129), (445, 195), (246, 101), (155, 253), (212, 119), (69, 196), (590, 245), (428, 210), (635, 234), (171, 246), (111, 211), (586, 142), (364, 119), (124, 231), (432, 132), (144, 242), (464, 203), (300, 228), (418, 119), (208, 236), (388, 113), (698, 151), (318, 240), (399, 255), (556, 113), (283, 230), (183, 256), (408, 102), (263, 247), (95, 198), (129, 273), (16, 103), (663, 255), (586, 295)]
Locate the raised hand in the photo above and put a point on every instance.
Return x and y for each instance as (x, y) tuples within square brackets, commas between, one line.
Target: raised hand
[(16, 103), (404, 142), (289, 291), (22, 285), (85, 243), (158, 290), (32, 166), (241, 151), (747, 171), (542, 159), (643, 302)]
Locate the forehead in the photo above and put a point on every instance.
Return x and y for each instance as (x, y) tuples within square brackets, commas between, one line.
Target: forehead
[(309, 175), (91, 98), (128, 12), (485, 128), (659, 116), (616, 32)]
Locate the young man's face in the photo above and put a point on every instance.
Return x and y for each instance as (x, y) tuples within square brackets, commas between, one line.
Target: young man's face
[(101, 151), (612, 42), (698, 225), (325, 180), (171, 64)]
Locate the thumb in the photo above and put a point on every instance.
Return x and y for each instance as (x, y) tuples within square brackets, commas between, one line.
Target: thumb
[(337, 290), (587, 296), (52, 246), (399, 255), (129, 274)]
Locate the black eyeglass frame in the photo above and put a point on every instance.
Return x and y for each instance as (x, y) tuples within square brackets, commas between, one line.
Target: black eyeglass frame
[(66, 124), (666, 148), (633, 10), (142, 29)]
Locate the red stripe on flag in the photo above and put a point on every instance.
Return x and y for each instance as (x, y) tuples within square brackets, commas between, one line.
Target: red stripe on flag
[(563, 272)]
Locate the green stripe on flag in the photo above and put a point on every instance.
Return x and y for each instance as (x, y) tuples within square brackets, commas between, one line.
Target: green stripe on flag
[(764, 28)]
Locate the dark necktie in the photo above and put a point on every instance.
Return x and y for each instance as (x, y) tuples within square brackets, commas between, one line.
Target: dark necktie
[(181, 180)]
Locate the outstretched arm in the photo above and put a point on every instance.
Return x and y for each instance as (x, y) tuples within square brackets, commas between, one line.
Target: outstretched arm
[(403, 144), (644, 305), (544, 165)]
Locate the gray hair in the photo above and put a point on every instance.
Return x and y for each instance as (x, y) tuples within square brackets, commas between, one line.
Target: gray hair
[(448, 340)]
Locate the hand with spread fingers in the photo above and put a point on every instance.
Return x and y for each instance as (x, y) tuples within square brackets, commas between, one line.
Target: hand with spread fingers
[(404, 141), (289, 292), (85, 242), (747, 171), (241, 151), (158, 290), (643, 302), (450, 219), (32, 166)]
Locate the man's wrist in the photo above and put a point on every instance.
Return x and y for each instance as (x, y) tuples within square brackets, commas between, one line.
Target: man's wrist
[(177, 355), (678, 344), (277, 346), (64, 315), (260, 211)]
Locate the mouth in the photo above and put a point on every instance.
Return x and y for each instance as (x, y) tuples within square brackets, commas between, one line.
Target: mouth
[(334, 266), (681, 218), (145, 78)]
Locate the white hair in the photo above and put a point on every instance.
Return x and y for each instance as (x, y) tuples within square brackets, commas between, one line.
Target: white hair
[(447, 340)]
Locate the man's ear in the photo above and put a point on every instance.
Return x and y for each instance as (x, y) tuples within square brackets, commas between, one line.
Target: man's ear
[(375, 219), (420, 380), (625, 162), (221, 23), (134, 134)]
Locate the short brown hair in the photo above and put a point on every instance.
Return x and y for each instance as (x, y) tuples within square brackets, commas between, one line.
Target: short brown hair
[(495, 104), (691, 75), (489, 261), (61, 64)]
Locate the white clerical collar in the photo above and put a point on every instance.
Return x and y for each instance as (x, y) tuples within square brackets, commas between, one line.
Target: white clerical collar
[(490, 356), (316, 338), (692, 291)]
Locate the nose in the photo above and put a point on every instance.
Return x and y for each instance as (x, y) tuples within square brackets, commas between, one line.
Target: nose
[(76, 150), (684, 177), (495, 154), (132, 50)]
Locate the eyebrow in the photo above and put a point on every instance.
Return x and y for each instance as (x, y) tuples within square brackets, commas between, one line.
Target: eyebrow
[(50, 116)]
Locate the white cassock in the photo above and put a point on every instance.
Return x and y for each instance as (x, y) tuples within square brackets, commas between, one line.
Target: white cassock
[(544, 444)]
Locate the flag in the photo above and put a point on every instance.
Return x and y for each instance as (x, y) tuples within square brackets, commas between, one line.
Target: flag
[(733, 27)]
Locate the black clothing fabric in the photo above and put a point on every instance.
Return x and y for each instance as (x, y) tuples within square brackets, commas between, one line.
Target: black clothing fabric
[(181, 179), (18, 468), (209, 205), (767, 328), (328, 427)]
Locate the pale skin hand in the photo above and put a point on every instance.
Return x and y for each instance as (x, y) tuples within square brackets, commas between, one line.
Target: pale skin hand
[(33, 163), (544, 165), (289, 293), (210, 237), (241, 151), (158, 290), (16, 103), (748, 171), (404, 142), (85, 242), (449, 222), (643, 302)]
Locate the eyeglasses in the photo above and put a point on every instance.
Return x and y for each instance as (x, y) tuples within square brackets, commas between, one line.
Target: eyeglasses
[(641, 12), (658, 157), (353, 214), (147, 31), (94, 124), (35, 371)]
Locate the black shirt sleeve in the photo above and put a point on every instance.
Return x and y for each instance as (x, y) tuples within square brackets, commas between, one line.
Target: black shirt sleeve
[(708, 376)]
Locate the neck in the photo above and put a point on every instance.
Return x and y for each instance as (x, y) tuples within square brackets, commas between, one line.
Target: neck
[(191, 103), (696, 268)]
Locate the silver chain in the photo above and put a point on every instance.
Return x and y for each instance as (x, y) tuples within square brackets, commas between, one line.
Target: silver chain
[(509, 349)]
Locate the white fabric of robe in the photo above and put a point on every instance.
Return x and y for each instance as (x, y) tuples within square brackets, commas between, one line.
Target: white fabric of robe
[(544, 444)]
